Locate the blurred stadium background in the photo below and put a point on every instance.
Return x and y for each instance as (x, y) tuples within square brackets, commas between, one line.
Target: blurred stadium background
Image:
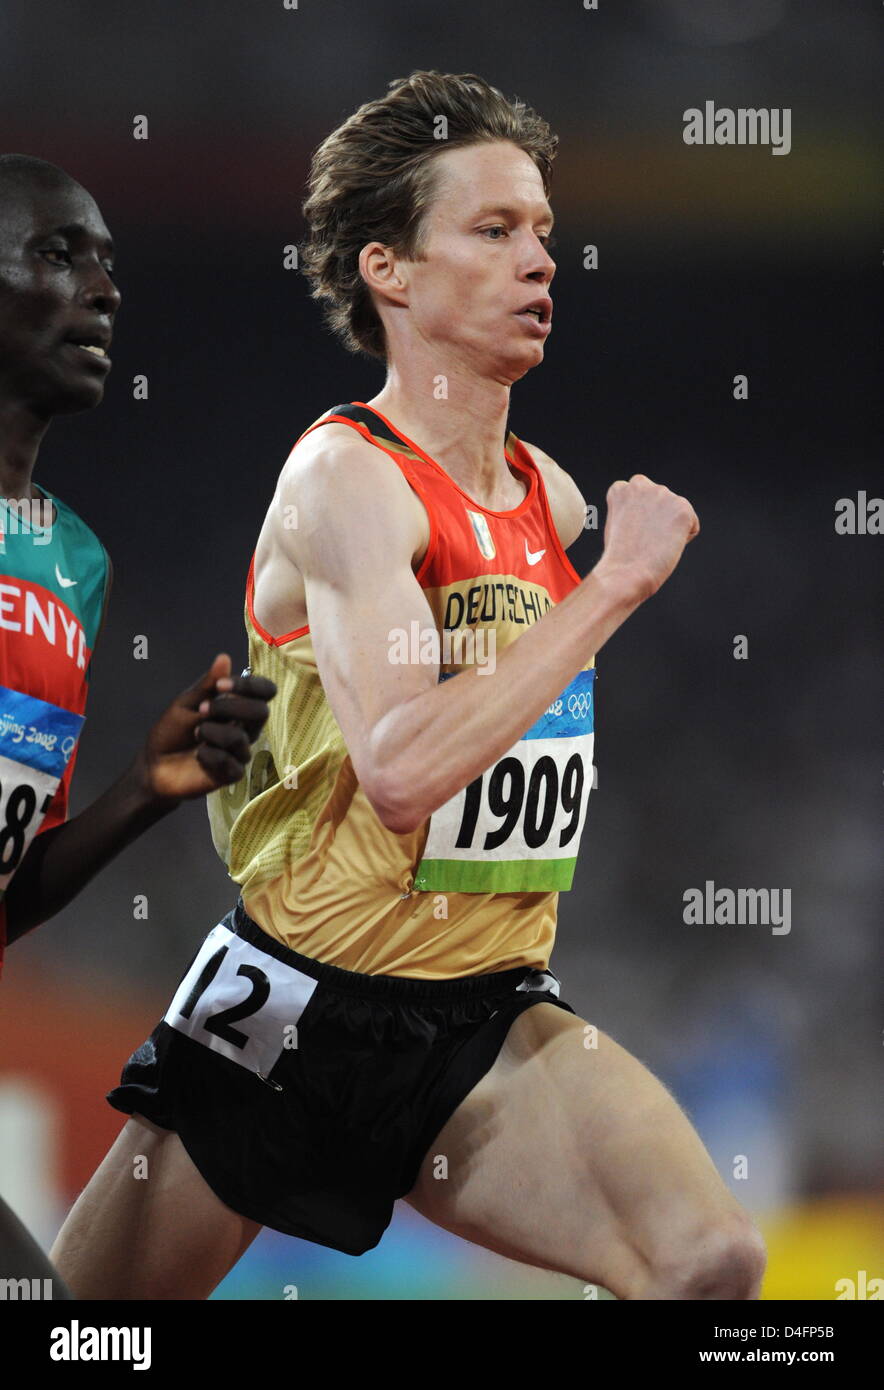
[(765, 772)]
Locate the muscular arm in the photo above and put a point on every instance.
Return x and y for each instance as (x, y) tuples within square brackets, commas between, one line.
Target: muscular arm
[(414, 742)]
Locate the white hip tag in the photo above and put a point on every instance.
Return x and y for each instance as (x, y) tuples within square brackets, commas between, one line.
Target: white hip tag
[(241, 1002)]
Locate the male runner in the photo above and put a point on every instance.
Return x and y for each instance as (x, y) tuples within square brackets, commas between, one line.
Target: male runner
[(375, 1018), (58, 301)]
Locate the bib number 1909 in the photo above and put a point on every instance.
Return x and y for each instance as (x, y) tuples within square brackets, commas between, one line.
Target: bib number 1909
[(535, 800)]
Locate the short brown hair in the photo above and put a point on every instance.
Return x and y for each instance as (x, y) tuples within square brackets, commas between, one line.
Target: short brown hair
[(372, 180)]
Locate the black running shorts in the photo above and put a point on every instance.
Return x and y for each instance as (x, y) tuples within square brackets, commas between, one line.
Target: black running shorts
[(306, 1095)]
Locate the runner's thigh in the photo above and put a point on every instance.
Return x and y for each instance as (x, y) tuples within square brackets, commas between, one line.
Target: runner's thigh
[(576, 1159), (148, 1226)]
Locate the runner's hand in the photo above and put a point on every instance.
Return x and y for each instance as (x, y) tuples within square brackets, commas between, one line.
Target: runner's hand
[(646, 531), (203, 740)]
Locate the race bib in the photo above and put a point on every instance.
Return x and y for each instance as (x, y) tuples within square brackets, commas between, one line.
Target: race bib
[(241, 1002), (517, 827), (37, 741)]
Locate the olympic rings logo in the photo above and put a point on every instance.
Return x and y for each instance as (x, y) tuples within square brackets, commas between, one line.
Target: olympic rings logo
[(579, 705)]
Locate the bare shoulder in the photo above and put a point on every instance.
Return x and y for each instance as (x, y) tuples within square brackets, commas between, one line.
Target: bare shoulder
[(342, 515), (335, 471), (566, 501), (335, 454)]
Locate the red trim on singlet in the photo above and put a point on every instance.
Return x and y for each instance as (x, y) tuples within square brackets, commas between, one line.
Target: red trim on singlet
[(262, 631), (514, 511), (411, 478), (536, 486)]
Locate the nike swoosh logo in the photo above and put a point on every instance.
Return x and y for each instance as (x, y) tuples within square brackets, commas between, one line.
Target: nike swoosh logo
[(532, 556), (65, 583)]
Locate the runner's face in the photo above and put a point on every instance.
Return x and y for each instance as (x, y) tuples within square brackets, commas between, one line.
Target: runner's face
[(55, 286), (486, 260)]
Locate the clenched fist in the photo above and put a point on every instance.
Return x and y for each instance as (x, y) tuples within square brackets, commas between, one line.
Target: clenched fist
[(646, 531), (203, 740)]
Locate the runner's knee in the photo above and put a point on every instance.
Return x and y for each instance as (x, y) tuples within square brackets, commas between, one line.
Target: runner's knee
[(724, 1259)]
